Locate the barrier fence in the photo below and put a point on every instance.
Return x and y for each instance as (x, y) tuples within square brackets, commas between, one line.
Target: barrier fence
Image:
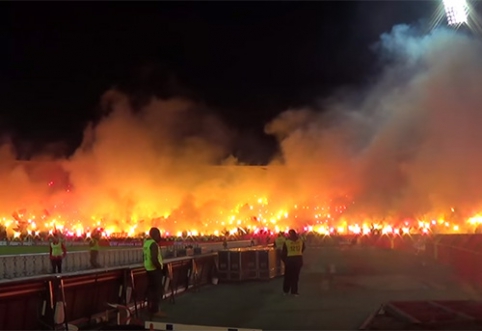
[(27, 265), (262, 263), (53, 301), (90, 297)]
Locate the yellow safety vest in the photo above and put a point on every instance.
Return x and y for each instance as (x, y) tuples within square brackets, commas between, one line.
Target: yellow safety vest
[(95, 246), (57, 249), (294, 248), (147, 255), (279, 242)]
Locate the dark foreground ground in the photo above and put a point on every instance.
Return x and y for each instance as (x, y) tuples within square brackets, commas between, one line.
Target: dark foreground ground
[(365, 278)]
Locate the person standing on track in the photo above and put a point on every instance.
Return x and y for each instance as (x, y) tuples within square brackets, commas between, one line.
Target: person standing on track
[(292, 256), (57, 254), (154, 268)]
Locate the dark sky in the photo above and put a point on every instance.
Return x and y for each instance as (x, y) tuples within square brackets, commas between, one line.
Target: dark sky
[(248, 61)]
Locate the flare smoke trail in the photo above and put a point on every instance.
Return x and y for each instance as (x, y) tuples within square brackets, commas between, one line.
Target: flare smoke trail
[(412, 146)]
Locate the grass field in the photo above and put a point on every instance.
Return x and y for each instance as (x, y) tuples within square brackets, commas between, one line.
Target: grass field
[(14, 250)]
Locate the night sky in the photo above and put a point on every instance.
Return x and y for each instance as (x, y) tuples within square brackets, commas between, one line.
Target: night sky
[(246, 61)]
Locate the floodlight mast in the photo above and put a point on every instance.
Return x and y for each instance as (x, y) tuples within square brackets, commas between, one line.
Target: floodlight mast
[(456, 11)]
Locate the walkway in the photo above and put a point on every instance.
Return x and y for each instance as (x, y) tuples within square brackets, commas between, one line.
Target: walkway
[(365, 278)]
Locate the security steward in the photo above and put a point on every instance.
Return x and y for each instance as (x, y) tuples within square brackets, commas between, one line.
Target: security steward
[(280, 241), (154, 268), (57, 254), (292, 256), (94, 251)]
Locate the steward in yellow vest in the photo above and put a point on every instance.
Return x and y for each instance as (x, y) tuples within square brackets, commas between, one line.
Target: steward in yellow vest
[(154, 268), (57, 253), (280, 241), (94, 250), (292, 256)]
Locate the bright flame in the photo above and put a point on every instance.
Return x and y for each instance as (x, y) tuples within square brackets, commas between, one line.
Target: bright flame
[(244, 213)]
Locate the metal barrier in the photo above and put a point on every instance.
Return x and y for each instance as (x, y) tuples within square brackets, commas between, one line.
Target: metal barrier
[(249, 263), (25, 265), (88, 297)]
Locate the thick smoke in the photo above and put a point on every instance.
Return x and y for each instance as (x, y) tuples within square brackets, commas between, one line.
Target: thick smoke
[(146, 164), (408, 145), (413, 145)]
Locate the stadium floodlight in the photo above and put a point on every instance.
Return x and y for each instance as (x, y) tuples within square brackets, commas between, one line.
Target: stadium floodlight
[(456, 11)]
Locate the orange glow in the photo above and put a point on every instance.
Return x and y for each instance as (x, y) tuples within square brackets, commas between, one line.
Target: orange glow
[(242, 218), (244, 224), (251, 206), (392, 158)]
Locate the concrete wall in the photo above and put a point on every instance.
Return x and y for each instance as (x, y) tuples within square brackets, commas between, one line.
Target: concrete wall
[(15, 266)]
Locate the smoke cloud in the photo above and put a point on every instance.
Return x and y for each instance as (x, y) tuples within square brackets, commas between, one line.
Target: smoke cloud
[(408, 145), (412, 145), (145, 165)]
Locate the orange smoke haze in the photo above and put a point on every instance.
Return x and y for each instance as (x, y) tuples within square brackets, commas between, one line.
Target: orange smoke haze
[(406, 148)]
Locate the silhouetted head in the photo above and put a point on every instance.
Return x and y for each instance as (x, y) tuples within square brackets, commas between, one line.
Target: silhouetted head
[(292, 233), (155, 234)]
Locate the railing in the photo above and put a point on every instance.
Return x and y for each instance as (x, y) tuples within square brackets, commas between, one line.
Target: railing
[(82, 298), (27, 265)]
